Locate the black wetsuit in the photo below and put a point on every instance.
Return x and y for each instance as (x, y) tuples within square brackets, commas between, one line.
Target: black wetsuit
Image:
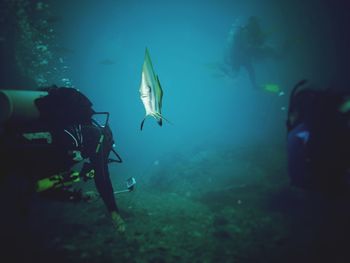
[(32, 160), (318, 140), (99, 161)]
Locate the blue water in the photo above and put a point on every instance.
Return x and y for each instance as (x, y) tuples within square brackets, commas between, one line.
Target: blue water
[(183, 38), (212, 183)]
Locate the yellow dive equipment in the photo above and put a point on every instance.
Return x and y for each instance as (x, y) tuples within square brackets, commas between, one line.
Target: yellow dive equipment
[(62, 180), (273, 88)]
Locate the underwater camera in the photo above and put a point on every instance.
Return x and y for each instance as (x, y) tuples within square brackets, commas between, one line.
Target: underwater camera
[(130, 185)]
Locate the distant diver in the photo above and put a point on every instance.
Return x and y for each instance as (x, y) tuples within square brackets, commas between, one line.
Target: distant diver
[(151, 92), (43, 135), (246, 45)]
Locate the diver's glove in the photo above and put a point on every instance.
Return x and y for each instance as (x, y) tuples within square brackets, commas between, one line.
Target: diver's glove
[(118, 222)]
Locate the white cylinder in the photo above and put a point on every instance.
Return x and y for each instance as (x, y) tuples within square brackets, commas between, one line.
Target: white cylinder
[(18, 105)]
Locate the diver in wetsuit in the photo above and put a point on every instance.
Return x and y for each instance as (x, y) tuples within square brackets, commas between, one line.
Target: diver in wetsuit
[(247, 44), (318, 139), (62, 134)]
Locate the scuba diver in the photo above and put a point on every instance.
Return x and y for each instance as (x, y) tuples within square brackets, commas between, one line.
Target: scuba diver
[(318, 139), (43, 135), (247, 44)]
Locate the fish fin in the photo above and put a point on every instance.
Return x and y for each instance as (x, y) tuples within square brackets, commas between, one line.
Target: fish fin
[(155, 115), (161, 117), (143, 121)]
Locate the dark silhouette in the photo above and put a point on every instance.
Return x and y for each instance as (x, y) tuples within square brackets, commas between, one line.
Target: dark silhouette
[(247, 45)]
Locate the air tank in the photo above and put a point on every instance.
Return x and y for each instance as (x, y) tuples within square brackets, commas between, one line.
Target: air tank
[(17, 106)]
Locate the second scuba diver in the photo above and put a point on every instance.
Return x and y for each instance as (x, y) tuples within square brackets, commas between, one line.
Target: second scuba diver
[(318, 139)]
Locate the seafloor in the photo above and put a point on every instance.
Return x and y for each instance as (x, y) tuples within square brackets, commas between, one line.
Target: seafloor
[(227, 205)]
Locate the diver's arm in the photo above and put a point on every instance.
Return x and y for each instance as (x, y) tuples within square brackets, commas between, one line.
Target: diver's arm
[(103, 182), (104, 187), (98, 156)]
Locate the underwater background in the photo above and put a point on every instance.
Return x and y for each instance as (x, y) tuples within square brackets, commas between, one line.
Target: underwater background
[(212, 185)]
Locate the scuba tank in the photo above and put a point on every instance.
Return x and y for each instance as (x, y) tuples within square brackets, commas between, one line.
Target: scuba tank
[(18, 106)]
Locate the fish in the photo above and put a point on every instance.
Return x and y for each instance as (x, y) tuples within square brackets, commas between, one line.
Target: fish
[(151, 93)]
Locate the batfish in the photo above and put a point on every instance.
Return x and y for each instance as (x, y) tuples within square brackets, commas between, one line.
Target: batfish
[(151, 92)]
